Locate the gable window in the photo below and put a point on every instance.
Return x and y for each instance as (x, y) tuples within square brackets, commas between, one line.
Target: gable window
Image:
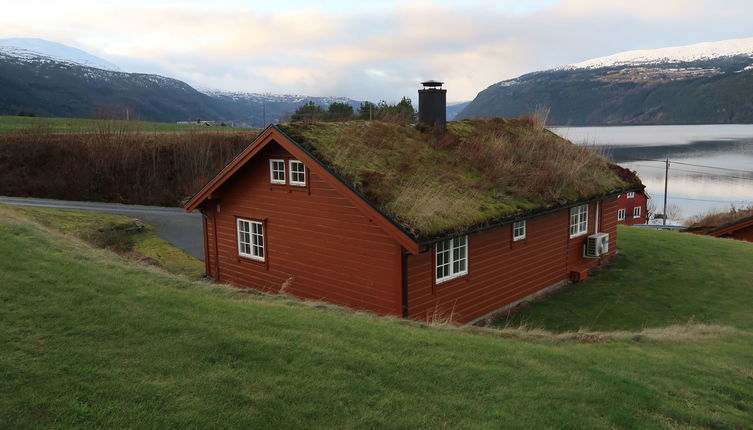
[(630, 195), (637, 212), (277, 171), (297, 173), (451, 258), (578, 220), (519, 230), (620, 214), (251, 239)]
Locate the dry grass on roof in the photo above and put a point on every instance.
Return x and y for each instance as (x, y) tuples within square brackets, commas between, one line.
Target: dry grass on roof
[(479, 171), (717, 219)]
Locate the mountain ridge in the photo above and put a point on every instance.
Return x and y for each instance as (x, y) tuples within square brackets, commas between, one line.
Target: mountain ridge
[(710, 83)]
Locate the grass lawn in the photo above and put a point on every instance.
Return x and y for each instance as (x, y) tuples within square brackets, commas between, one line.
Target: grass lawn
[(115, 232), (88, 340), (10, 124), (660, 278)]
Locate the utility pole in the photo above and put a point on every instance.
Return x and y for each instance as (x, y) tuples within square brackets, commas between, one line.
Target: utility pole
[(666, 180)]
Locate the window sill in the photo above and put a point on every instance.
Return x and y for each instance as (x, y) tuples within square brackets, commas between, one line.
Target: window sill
[(450, 278), (573, 236), (242, 258)]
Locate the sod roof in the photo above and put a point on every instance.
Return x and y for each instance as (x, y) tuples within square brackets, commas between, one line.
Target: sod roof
[(480, 172)]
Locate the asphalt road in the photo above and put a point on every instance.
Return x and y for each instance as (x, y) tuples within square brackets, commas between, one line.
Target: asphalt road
[(175, 225)]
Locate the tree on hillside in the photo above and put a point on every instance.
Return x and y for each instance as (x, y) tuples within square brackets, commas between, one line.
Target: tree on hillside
[(338, 111), (367, 110), (308, 112)]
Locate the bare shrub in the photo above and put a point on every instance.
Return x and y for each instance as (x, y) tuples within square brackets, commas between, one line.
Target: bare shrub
[(115, 165)]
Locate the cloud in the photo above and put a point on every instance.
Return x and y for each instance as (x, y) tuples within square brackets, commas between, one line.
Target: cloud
[(377, 52)]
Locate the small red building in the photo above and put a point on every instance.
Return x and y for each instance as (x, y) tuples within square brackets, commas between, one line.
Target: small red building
[(632, 208), (739, 229), (401, 221)]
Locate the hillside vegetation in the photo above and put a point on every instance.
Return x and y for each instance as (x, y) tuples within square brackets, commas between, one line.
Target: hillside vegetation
[(114, 165), (89, 341)]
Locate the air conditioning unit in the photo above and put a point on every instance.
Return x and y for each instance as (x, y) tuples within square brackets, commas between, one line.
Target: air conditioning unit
[(596, 245)]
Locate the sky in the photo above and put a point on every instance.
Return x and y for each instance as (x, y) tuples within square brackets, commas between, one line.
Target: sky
[(367, 50)]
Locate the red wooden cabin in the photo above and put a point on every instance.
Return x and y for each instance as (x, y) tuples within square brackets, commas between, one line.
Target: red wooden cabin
[(632, 208), (295, 215), (741, 229)]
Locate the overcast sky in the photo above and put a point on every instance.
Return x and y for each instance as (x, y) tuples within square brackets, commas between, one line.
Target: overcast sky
[(380, 49)]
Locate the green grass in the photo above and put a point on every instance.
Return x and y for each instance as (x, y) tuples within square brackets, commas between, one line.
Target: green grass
[(115, 232), (659, 278), (90, 341), (16, 124)]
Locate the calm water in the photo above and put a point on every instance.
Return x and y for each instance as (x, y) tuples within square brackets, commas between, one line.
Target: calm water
[(711, 166)]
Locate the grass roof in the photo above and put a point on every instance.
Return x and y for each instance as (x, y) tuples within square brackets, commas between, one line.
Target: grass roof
[(714, 219), (478, 172)]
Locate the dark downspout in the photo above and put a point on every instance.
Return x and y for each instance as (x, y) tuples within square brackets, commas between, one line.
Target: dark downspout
[(405, 283)]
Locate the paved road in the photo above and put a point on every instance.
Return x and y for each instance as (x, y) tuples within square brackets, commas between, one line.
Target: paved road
[(175, 225)]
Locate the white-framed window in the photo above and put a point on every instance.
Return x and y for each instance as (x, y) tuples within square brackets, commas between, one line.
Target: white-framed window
[(637, 212), (578, 220), (519, 230), (620, 214), (297, 173), (277, 171), (630, 195), (251, 239), (451, 258)]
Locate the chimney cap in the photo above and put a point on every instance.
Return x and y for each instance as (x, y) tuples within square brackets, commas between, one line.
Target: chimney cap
[(432, 84)]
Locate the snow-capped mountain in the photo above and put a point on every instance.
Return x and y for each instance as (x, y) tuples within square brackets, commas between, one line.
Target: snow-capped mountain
[(704, 83), (674, 54), (240, 96), (32, 49)]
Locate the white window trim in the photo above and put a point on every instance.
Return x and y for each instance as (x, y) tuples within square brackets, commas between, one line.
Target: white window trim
[(621, 214), (252, 244), (637, 212), (290, 168), (272, 179), (464, 257), (516, 237), (631, 195), (582, 209)]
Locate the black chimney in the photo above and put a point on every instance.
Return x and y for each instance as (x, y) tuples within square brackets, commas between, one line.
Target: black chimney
[(432, 105)]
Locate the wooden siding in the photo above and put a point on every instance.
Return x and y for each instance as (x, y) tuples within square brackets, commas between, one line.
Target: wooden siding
[(318, 244), (501, 271)]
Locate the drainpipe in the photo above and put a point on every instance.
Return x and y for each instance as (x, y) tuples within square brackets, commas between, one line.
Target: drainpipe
[(404, 267)]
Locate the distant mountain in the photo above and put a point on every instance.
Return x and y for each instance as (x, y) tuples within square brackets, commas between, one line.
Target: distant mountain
[(49, 79), (31, 49), (256, 110), (453, 109), (694, 84)]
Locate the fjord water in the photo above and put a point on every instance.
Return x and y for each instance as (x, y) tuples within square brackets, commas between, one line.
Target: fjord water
[(711, 166)]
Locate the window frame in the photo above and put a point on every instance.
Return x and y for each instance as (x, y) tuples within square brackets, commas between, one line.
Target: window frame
[(272, 171), (253, 234), (621, 214), (637, 212), (294, 172), (580, 226), (516, 226), (631, 194), (449, 253)]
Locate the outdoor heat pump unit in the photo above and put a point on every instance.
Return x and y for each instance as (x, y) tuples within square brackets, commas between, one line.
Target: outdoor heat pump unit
[(597, 245)]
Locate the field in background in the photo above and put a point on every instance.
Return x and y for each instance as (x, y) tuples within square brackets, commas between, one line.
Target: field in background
[(21, 124), (659, 278), (91, 341)]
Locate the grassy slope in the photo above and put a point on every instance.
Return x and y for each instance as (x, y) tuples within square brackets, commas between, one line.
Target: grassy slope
[(107, 230), (9, 124), (90, 342), (661, 278)]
